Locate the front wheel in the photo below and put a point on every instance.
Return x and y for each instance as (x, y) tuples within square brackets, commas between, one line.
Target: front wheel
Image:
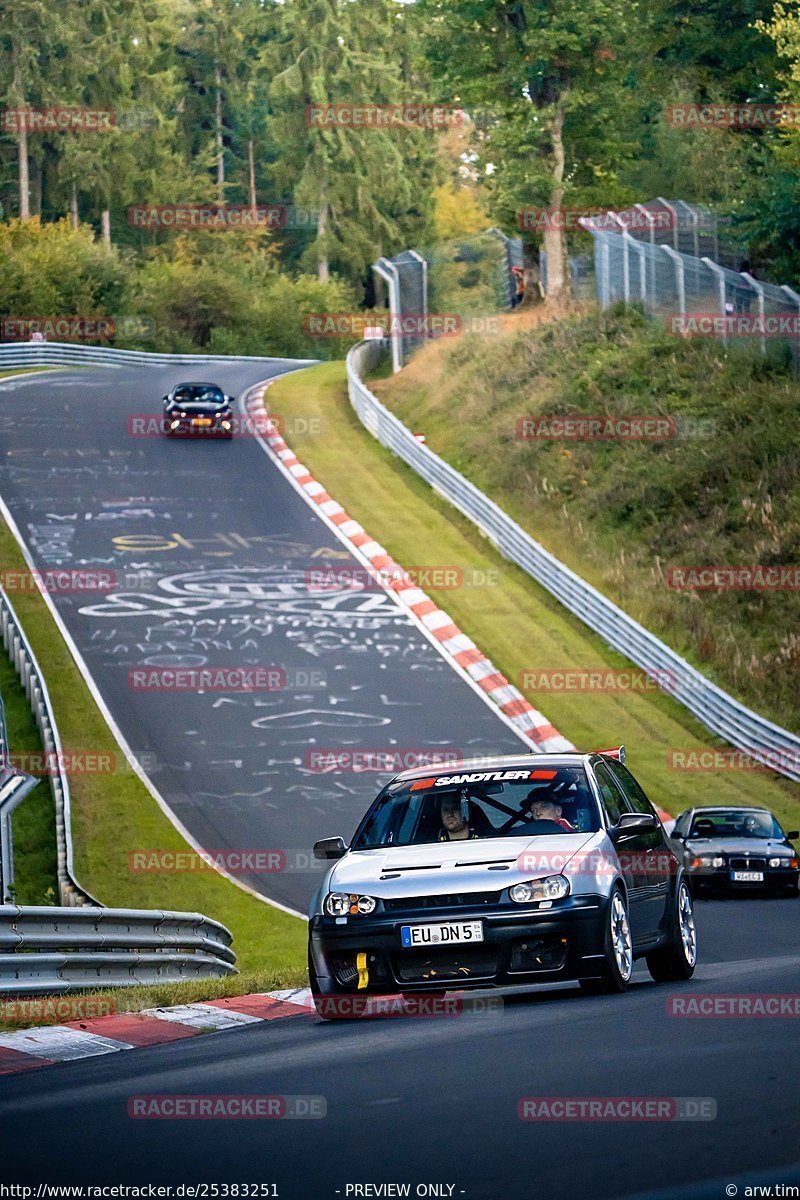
[(617, 950), (676, 960), (329, 1005)]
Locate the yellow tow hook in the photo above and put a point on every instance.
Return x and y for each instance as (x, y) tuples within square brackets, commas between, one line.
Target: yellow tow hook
[(363, 972)]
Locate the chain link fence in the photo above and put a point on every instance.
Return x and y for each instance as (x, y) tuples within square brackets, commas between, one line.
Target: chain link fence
[(681, 264)]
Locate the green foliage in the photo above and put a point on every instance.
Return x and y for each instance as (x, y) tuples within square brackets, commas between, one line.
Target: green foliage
[(725, 491), (55, 270)]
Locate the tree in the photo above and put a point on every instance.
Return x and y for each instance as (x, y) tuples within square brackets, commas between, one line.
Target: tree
[(545, 82), (362, 182)]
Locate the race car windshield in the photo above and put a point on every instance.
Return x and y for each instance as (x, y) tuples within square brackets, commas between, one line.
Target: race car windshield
[(483, 804), (199, 394), (735, 823)]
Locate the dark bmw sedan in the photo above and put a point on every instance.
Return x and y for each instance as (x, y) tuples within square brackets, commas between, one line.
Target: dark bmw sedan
[(198, 409), (736, 850)]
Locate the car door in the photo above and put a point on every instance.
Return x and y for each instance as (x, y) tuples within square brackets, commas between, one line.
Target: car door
[(615, 804), (655, 861)]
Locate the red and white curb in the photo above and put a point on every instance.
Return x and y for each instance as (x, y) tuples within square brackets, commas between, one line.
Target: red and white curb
[(25, 1049), (455, 646)]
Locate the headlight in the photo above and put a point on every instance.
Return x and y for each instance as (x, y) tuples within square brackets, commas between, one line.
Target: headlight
[(343, 904), (553, 887), (225, 424), (778, 862), (174, 424), (708, 860)]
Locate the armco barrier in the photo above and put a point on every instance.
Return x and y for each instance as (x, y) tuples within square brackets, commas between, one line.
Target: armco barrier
[(14, 355), (723, 715), (61, 949), (32, 680)]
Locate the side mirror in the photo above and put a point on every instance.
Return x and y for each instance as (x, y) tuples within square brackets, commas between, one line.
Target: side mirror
[(165, 399), (231, 399), (636, 823), (330, 848), (677, 837), (792, 834)]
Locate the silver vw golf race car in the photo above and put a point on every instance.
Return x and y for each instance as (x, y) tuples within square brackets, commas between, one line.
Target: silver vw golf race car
[(501, 872)]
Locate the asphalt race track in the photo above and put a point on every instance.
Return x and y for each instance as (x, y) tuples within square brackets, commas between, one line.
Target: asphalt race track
[(434, 1100), (211, 549)]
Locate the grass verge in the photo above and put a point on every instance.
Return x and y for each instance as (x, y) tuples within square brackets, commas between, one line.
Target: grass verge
[(113, 814), (514, 621), (33, 822), (23, 1014)]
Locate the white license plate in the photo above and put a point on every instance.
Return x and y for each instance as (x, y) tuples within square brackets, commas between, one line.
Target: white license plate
[(454, 933), (747, 876)]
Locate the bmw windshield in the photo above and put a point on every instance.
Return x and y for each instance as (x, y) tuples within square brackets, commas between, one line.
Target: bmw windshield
[(478, 805)]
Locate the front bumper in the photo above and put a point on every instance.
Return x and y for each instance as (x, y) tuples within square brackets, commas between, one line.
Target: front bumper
[(188, 427), (719, 879), (521, 945)]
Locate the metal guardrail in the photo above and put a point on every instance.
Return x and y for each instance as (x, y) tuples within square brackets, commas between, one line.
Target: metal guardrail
[(66, 354), (60, 949), (33, 682), (743, 728)]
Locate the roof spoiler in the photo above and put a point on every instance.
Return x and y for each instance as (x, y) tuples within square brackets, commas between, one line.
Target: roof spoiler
[(618, 752)]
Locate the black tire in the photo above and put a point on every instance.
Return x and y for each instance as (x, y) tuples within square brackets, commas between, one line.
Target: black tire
[(615, 978), (677, 959)]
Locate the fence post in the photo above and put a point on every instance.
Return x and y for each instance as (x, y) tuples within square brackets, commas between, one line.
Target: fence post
[(759, 290), (388, 272), (795, 298), (671, 209), (680, 280), (626, 269), (720, 274)]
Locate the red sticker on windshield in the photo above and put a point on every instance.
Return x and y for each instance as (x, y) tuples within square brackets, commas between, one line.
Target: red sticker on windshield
[(419, 784), (543, 774)]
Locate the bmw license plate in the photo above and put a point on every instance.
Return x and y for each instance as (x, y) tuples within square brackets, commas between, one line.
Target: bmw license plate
[(747, 876), (454, 933)]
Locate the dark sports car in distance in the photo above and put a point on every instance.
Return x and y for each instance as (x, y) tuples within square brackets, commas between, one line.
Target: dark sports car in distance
[(736, 850), (198, 409)]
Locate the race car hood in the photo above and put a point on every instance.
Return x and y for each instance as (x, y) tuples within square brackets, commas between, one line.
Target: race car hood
[(754, 847), (441, 868)]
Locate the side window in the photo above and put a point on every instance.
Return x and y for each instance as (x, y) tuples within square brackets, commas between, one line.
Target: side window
[(612, 800), (682, 824), (633, 792)]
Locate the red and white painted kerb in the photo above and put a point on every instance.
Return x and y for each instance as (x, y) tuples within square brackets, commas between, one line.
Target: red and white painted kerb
[(456, 647), (26, 1049)]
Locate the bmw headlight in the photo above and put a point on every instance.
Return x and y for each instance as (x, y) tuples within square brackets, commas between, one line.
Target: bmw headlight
[(778, 862), (552, 887), (708, 860), (343, 904)]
